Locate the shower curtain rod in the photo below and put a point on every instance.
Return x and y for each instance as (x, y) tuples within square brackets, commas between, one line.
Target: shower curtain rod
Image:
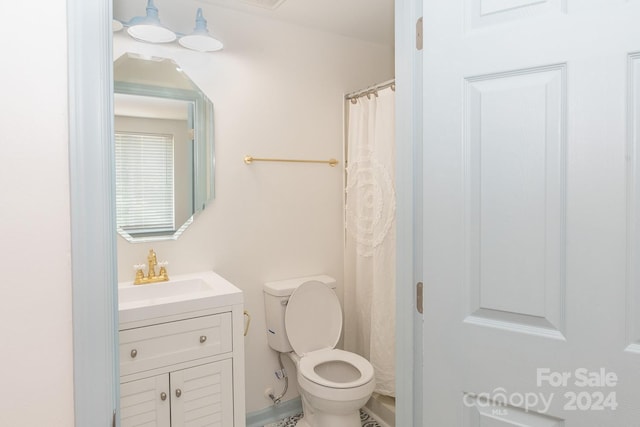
[(371, 90)]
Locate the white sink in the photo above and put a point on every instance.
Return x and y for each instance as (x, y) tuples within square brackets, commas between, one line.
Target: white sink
[(156, 292), (181, 294)]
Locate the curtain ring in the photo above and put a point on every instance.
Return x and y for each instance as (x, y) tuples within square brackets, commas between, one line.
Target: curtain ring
[(354, 100), (393, 87)]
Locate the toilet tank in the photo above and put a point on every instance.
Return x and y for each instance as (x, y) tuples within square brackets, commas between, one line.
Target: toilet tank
[(276, 296)]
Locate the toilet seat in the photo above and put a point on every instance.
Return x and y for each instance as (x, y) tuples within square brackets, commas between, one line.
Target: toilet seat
[(313, 320), (358, 367)]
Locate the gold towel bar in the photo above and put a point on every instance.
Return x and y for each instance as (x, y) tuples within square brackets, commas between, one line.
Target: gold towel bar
[(250, 159)]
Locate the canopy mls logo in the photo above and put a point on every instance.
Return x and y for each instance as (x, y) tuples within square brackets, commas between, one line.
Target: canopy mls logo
[(598, 382), (499, 400), (581, 377), (594, 393)]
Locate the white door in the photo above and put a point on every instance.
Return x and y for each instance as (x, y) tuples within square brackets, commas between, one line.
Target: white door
[(532, 316)]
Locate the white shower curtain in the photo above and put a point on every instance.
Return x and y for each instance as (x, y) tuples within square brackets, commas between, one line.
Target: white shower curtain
[(371, 237)]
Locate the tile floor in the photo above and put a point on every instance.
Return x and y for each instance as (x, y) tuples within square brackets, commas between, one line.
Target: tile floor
[(366, 420)]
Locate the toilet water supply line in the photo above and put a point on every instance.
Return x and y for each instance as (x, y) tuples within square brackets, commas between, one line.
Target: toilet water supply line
[(280, 375)]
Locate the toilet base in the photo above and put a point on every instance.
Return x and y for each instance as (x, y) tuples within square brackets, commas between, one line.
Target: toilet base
[(316, 418), (329, 420)]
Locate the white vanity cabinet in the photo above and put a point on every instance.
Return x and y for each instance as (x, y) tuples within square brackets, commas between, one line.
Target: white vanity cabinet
[(183, 369), (197, 396)]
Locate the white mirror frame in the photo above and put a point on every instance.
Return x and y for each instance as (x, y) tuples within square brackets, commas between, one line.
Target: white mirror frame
[(93, 234)]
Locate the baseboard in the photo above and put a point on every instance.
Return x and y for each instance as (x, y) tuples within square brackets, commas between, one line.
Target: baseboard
[(274, 413)]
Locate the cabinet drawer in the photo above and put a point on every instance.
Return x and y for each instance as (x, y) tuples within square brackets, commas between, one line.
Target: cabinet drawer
[(165, 344)]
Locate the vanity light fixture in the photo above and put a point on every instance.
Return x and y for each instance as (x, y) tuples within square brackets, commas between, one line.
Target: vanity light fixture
[(200, 39), (116, 25), (149, 29)]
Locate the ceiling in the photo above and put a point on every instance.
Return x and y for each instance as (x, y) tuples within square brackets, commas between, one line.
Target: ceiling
[(370, 20)]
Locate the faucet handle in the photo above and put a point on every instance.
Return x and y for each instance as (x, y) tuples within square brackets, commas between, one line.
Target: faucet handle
[(139, 273), (163, 269)]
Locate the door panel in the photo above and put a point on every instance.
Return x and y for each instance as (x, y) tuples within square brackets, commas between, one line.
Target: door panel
[(531, 219), (514, 189), (481, 13), (633, 256), (485, 413)]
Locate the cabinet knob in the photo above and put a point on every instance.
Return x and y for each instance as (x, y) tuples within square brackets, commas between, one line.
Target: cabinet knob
[(163, 396), (134, 353), (178, 392), (203, 338)]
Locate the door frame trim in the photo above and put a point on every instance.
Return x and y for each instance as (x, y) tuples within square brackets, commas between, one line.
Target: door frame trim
[(408, 72), (92, 204), (92, 211)]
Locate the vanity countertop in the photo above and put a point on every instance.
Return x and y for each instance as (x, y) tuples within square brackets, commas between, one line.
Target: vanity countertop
[(183, 295)]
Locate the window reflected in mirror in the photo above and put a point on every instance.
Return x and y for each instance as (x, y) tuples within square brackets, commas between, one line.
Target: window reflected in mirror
[(145, 202), (163, 148)]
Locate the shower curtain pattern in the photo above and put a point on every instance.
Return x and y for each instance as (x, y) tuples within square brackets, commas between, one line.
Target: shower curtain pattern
[(369, 219), (371, 238)]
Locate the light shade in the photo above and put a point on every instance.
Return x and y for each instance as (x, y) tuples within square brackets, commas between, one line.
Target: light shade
[(200, 39), (148, 28)]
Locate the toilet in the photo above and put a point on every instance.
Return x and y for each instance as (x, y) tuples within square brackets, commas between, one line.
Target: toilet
[(304, 321)]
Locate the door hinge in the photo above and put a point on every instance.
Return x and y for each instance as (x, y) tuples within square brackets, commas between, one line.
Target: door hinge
[(419, 33), (419, 300)]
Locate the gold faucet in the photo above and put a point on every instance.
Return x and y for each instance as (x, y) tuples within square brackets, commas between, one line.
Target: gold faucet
[(151, 276)]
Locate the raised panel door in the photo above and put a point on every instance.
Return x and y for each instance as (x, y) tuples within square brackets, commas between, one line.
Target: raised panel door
[(531, 201)]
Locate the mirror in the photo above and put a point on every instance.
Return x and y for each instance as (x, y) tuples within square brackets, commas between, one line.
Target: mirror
[(164, 148)]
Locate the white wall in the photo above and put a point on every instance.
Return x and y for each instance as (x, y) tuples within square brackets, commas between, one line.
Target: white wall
[(277, 91), (35, 284)]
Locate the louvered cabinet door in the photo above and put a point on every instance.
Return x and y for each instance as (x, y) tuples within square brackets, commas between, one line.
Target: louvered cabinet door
[(145, 402), (202, 396)]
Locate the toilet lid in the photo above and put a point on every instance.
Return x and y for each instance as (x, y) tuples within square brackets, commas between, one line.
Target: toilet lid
[(313, 318)]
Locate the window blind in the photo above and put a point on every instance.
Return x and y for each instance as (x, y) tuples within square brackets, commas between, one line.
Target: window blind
[(144, 182)]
